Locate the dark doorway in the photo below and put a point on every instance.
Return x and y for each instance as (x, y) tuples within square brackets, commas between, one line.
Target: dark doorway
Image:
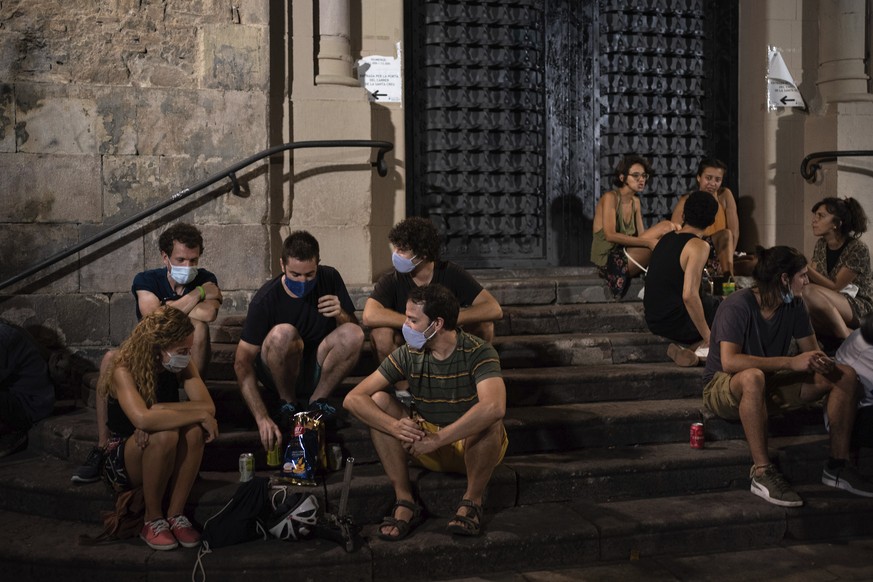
[(519, 110)]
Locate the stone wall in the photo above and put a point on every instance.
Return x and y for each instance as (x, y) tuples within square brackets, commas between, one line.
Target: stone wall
[(107, 108)]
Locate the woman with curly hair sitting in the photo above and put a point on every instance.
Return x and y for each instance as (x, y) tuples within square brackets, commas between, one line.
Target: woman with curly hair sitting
[(157, 441)]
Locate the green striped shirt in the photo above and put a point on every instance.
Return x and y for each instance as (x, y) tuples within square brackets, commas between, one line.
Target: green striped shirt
[(443, 390)]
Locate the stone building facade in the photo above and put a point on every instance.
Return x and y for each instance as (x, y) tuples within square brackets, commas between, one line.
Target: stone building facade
[(107, 108)]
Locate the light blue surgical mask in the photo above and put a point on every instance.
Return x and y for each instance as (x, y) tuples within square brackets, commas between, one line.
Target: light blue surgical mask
[(402, 264), (183, 275), (416, 339), (300, 288), (787, 295), (177, 362)]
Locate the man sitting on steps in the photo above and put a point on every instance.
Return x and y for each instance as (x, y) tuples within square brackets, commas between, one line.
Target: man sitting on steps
[(749, 373), (455, 423)]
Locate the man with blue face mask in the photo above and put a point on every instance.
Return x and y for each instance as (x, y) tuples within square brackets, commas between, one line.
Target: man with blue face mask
[(179, 283), (300, 340), (416, 245), (456, 423)]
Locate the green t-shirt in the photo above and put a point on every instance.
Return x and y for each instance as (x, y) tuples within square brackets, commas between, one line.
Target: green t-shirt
[(443, 390)]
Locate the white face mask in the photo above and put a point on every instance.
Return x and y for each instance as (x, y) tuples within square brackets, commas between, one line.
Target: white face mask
[(177, 362), (183, 275)]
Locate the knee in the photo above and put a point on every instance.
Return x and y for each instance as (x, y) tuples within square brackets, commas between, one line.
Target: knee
[(164, 440), (383, 400), (195, 437), (284, 338), (351, 336), (751, 384), (847, 382)]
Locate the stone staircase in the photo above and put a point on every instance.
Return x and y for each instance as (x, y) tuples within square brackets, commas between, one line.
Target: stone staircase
[(599, 465)]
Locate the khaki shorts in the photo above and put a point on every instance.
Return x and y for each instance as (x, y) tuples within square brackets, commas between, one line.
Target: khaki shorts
[(450, 458), (783, 394)]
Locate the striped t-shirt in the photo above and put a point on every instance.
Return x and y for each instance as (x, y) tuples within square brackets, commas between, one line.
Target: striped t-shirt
[(443, 390)]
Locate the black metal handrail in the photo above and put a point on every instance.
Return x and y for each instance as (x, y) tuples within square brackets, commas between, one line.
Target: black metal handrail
[(809, 170), (383, 148)]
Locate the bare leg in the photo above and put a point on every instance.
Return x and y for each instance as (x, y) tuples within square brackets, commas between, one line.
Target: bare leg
[(841, 385), (100, 404), (385, 340), (749, 388), (830, 311), (189, 454), (394, 459), (282, 352), (481, 455), (151, 467), (643, 255), (724, 244), (338, 354)]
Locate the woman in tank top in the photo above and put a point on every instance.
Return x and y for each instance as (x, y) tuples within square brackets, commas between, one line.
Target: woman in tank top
[(621, 247)]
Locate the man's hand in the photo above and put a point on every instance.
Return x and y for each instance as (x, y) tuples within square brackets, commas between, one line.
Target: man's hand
[(426, 445), (329, 305), (812, 361), (270, 433), (406, 430)]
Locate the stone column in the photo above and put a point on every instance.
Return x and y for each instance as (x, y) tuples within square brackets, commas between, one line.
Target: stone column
[(841, 70), (334, 48)]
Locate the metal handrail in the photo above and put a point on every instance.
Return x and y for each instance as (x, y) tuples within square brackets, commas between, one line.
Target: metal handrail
[(230, 173), (809, 170)]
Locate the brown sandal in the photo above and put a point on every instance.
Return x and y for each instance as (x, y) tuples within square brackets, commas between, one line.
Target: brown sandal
[(404, 527), (470, 524)]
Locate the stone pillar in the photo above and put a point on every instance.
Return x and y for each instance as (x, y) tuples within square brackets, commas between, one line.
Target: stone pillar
[(841, 70), (334, 48)]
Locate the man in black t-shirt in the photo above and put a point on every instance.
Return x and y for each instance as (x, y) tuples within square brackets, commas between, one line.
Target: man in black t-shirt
[(416, 262), (300, 336)]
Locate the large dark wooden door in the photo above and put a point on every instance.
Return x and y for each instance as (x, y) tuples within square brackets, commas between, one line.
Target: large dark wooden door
[(519, 110)]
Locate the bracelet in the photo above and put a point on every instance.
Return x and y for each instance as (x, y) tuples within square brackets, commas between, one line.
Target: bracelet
[(202, 292)]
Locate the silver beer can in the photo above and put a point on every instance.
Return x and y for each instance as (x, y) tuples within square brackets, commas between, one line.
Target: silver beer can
[(246, 467)]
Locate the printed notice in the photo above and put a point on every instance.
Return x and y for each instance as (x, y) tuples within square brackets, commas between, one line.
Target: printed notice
[(382, 78), (781, 89)]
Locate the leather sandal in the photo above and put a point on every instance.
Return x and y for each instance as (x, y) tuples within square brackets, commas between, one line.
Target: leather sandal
[(404, 527), (469, 524)]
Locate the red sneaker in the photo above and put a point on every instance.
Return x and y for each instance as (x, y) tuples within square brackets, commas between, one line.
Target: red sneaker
[(184, 531), (157, 535)]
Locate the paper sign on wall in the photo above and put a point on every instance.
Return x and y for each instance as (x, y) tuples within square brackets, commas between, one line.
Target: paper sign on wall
[(781, 89), (382, 77)]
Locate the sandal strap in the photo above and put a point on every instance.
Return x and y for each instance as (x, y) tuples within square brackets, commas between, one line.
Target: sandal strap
[(477, 509)]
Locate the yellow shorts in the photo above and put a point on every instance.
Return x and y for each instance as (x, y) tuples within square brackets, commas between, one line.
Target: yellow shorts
[(450, 458), (783, 394)]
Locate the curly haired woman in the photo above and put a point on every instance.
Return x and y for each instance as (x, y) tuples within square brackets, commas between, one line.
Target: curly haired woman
[(157, 441), (840, 292)]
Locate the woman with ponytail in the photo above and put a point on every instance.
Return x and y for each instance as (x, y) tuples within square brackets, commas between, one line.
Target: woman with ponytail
[(157, 441), (840, 293)]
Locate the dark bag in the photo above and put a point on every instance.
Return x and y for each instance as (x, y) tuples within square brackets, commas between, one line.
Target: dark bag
[(123, 523), (238, 521)]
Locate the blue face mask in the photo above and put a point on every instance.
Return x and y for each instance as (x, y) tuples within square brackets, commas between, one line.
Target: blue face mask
[(402, 264), (787, 296), (183, 275), (177, 362), (300, 288), (416, 339)]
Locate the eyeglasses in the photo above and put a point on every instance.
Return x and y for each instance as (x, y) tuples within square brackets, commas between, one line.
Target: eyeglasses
[(639, 176)]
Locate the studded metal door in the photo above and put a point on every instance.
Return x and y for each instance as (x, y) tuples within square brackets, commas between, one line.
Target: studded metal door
[(519, 109)]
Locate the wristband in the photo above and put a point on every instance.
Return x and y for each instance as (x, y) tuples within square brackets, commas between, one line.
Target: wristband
[(202, 292)]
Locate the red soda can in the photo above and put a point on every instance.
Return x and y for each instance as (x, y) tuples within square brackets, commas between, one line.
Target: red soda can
[(697, 435)]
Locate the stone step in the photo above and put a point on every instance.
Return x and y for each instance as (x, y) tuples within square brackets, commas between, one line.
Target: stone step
[(531, 429), (528, 537), (39, 484), (518, 351)]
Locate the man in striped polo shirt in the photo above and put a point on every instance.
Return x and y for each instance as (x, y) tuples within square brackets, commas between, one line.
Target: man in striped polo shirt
[(455, 421)]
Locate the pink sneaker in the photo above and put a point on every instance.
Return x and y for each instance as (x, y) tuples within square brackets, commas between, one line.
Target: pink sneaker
[(157, 535), (184, 531)]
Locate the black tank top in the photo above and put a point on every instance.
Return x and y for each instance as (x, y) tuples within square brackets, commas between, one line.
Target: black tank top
[(663, 298), (166, 390)]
